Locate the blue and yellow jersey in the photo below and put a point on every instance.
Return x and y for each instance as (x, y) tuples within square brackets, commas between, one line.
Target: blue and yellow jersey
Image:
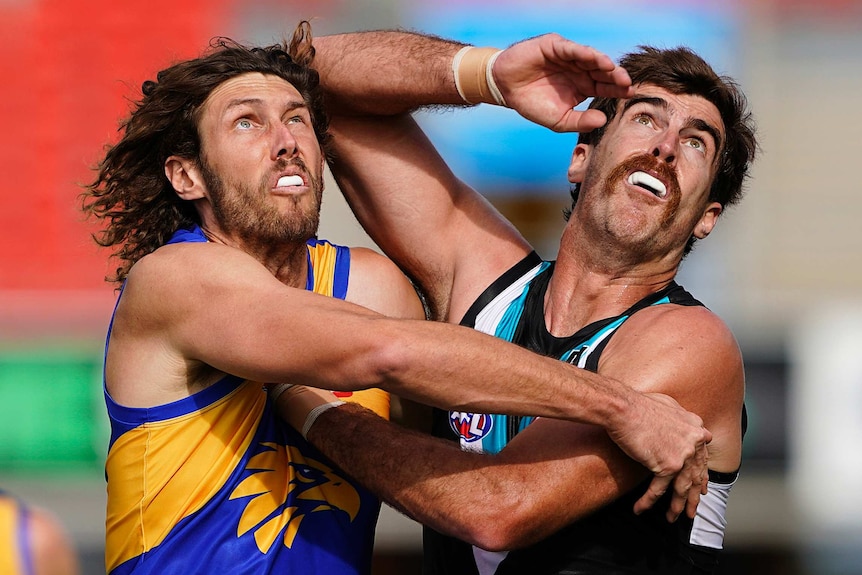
[(217, 483), (15, 552)]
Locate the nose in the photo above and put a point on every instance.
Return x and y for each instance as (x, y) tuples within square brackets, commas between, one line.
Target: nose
[(284, 143), (665, 147)]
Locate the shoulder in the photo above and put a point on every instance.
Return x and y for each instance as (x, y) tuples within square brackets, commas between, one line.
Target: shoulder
[(687, 352), (178, 274), (168, 288), (691, 328), (377, 284), (690, 354), (173, 263)]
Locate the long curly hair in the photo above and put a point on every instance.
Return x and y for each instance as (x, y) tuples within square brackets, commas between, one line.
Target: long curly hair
[(681, 71), (131, 192)]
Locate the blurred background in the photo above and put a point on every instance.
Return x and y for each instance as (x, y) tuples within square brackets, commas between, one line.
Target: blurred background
[(784, 268)]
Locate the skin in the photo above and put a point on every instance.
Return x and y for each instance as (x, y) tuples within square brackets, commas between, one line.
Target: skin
[(621, 244), (53, 552), (169, 338)]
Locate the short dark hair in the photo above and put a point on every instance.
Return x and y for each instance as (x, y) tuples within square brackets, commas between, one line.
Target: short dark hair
[(681, 71), (131, 191)]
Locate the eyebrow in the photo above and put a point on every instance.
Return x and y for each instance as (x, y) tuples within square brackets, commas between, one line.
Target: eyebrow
[(696, 123), (237, 102)]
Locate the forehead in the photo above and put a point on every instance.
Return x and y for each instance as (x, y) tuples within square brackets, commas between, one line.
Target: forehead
[(249, 87)]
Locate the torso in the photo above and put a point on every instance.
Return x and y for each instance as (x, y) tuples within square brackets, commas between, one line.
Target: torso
[(215, 482), (511, 308)]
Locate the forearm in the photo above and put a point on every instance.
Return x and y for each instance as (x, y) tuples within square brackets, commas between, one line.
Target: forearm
[(385, 72), (467, 370), (492, 376), (437, 484)]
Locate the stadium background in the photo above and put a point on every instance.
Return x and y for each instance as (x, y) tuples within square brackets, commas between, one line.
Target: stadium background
[(783, 268)]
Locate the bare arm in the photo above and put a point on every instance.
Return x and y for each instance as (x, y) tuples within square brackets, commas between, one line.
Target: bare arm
[(554, 472), (392, 72), (178, 301), (402, 192)]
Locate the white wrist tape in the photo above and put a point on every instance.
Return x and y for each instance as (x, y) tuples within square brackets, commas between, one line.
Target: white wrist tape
[(492, 84), (315, 413), (474, 78)]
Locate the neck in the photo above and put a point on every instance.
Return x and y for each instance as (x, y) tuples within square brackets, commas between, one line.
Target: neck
[(590, 283), (287, 261)]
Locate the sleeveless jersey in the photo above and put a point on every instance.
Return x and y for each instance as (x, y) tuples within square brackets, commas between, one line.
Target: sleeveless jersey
[(16, 557), (613, 540), (217, 483)]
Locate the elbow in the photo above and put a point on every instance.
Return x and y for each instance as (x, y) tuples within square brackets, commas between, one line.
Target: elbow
[(388, 361), (505, 527), (379, 358)]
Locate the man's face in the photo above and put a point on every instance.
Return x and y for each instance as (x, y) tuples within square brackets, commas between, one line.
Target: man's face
[(261, 162), (647, 181)]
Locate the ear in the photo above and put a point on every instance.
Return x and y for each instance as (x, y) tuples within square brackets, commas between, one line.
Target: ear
[(185, 178), (578, 166), (707, 220)]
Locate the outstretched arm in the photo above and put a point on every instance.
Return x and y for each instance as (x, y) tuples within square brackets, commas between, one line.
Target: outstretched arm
[(177, 300), (552, 473)]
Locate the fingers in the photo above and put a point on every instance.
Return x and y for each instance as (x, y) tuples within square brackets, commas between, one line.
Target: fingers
[(702, 461), (614, 84), (686, 496), (688, 486), (585, 57), (586, 121), (656, 489)]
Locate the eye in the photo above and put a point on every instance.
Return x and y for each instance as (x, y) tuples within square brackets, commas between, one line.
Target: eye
[(296, 120), (643, 119), (697, 143), (244, 124)]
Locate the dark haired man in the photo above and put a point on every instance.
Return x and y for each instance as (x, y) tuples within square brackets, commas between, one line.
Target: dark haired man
[(211, 199), (550, 496)]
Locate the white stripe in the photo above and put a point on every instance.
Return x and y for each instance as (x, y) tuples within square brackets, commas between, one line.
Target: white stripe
[(488, 561), (711, 521), (491, 315)]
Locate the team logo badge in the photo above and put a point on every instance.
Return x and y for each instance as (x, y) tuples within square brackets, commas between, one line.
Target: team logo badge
[(470, 426), (285, 487)]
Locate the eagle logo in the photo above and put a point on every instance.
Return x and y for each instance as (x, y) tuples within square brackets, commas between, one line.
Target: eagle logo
[(279, 507)]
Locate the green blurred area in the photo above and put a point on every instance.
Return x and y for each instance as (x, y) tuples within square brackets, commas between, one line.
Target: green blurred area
[(51, 410)]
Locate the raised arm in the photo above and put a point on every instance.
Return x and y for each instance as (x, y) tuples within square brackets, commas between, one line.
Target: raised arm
[(447, 237), (392, 72)]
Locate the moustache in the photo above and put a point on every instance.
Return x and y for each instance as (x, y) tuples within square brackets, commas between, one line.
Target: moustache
[(650, 164), (282, 164)]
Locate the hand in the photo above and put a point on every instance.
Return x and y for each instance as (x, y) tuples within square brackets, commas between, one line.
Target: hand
[(672, 443), (299, 405), (544, 78)]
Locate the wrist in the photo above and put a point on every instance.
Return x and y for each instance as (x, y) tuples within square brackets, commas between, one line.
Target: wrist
[(474, 78), (316, 412), (619, 407)]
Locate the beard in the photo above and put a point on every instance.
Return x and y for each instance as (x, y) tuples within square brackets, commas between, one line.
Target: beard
[(246, 211)]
